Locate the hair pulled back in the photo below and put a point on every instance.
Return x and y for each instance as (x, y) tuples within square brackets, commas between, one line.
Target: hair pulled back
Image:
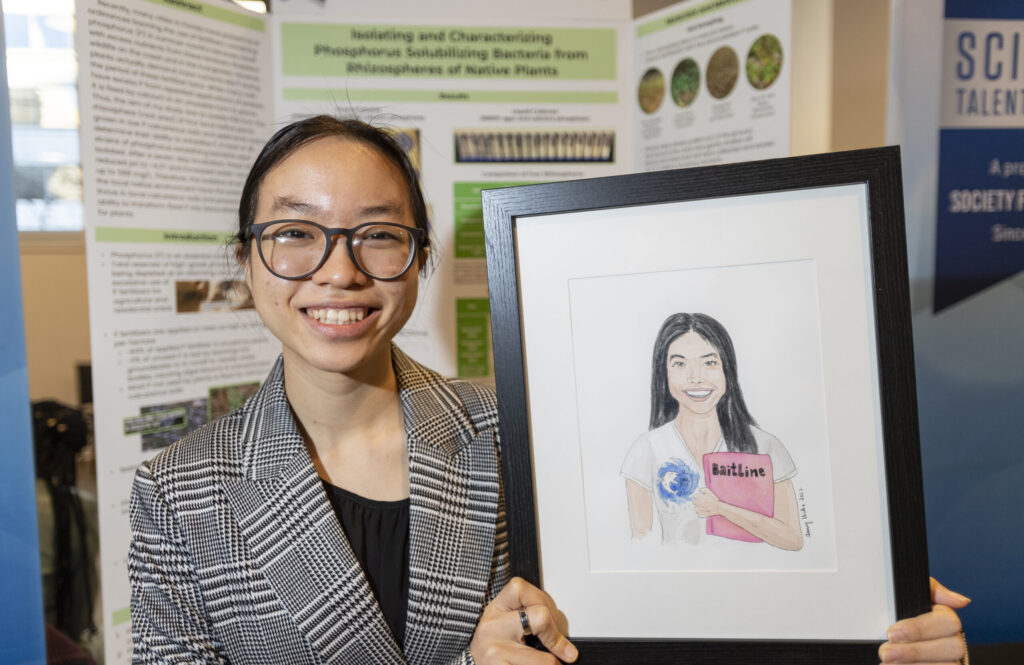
[(291, 137)]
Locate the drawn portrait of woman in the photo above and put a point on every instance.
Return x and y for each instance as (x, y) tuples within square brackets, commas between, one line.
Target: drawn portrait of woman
[(697, 408)]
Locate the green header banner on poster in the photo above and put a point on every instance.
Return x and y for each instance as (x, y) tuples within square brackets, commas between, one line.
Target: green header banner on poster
[(690, 13), (118, 234), (469, 52), (123, 615), (218, 13), (452, 96), (472, 332), (469, 217)]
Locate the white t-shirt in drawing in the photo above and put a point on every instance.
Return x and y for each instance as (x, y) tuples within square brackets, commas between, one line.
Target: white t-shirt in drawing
[(660, 461)]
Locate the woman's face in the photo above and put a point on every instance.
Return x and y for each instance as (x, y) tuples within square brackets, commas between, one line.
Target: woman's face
[(337, 319), (696, 378)]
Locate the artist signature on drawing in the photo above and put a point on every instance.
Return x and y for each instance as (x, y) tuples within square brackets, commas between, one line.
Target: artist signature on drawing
[(803, 512)]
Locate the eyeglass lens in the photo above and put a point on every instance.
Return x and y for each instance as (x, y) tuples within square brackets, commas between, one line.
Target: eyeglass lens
[(295, 248)]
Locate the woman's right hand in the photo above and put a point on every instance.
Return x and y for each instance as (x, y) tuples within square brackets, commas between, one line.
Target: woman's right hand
[(500, 638)]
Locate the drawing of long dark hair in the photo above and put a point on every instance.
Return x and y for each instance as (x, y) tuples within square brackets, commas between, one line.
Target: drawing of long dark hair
[(733, 416)]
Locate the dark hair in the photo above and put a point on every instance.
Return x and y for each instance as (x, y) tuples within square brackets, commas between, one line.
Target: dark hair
[(733, 415), (290, 138)]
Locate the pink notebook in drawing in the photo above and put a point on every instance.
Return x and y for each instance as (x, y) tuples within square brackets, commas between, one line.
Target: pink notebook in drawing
[(740, 479)]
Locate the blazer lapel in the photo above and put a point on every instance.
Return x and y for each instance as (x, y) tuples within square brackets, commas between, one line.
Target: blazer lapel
[(453, 509), (294, 539)]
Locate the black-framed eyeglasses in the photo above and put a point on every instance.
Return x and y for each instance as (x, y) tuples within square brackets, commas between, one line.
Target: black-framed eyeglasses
[(296, 248)]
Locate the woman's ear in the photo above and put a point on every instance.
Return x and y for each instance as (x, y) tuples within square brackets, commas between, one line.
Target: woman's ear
[(243, 261)]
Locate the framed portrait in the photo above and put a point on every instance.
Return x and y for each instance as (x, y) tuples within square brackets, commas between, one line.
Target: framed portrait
[(708, 415)]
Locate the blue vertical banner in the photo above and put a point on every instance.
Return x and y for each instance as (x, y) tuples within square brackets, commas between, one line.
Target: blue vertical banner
[(21, 612), (980, 224)]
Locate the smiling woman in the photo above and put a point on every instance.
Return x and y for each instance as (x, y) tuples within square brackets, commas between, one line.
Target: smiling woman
[(355, 498), (698, 412), (339, 184)]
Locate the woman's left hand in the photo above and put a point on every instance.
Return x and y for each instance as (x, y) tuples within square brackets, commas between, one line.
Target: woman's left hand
[(706, 503), (934, 637), (521, 609)]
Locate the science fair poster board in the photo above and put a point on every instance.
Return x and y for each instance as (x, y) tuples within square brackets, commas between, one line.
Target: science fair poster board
[(712, 83), (478, 104), (176, 101), (174, 108)]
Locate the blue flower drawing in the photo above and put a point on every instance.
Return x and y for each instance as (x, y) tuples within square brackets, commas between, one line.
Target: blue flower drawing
[(677, 481)]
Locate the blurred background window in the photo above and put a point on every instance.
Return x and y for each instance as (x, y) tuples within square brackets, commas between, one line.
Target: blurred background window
[(42, 73)]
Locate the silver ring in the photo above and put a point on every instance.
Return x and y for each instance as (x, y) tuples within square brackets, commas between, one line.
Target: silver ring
[(525, 620)]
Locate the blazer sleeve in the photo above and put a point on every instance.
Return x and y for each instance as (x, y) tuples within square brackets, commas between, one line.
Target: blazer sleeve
[(169, 624), (500, 565), (500, 573)]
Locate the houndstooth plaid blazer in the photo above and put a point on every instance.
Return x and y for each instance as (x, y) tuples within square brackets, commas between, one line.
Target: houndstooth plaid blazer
[(237, 556)]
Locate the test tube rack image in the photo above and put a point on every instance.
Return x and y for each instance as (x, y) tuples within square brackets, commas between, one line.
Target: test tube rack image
[(507, 145)]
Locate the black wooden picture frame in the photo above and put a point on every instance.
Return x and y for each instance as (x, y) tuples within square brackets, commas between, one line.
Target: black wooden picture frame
[(879, 170)]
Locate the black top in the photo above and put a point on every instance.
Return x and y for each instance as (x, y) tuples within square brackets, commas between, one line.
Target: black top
[(379, 534)]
